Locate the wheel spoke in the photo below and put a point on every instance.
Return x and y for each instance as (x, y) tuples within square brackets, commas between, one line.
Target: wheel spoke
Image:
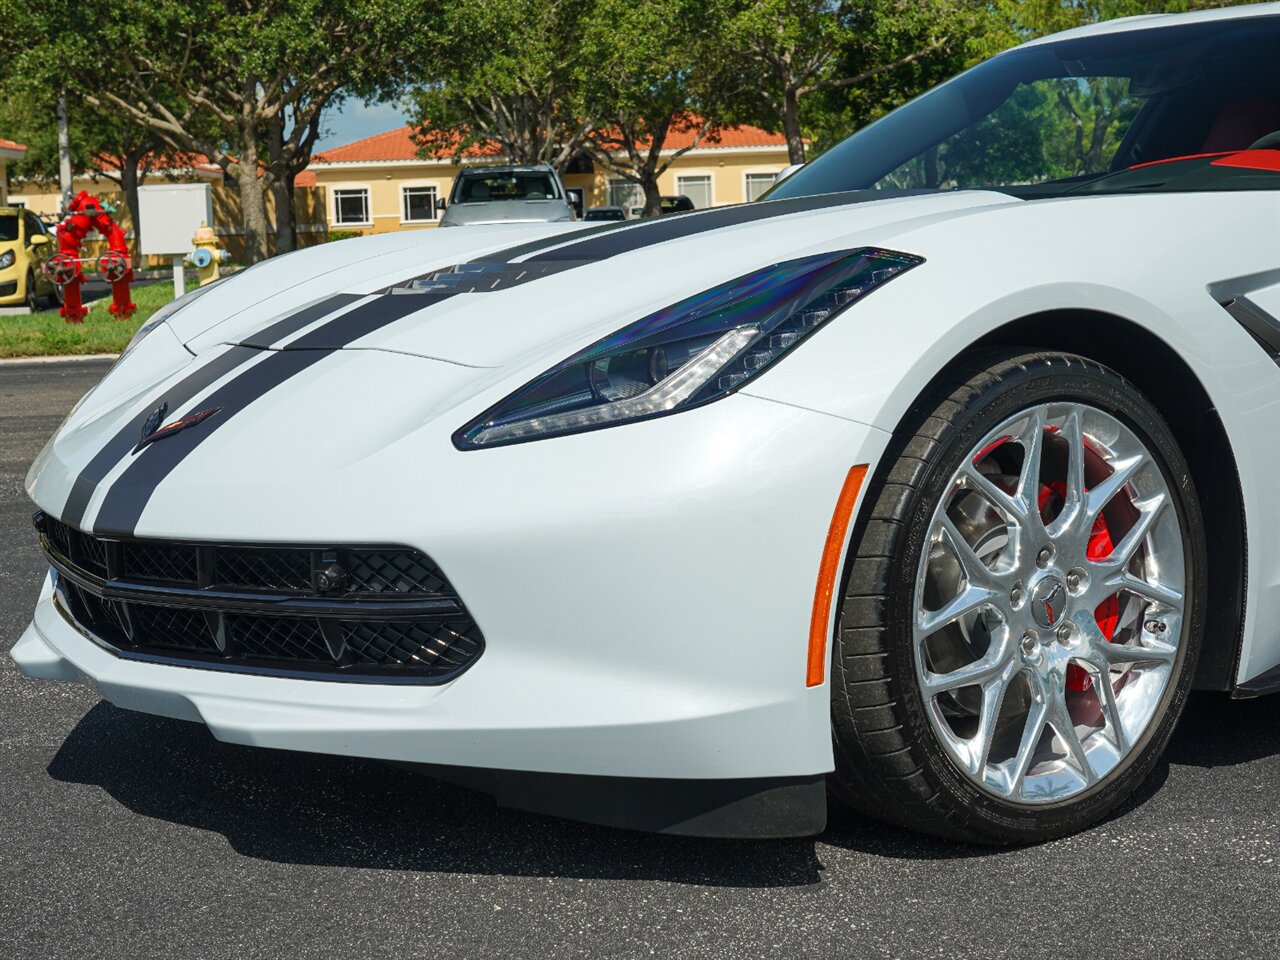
[(1110, 706), (1031, 729), (1032, 441), (993, 692), (968, 600), (975, 571), (1073, 432), (1060, 720), (981, 484), (1119, 653), (1149, 512), (1097, 498), (1146, 589), (979, 673)]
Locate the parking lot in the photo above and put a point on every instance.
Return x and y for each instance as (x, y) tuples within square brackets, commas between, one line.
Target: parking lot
[(124, 835)]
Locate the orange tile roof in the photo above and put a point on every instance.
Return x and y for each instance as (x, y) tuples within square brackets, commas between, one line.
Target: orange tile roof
[(169, 161), (11, 145), (399, 145)]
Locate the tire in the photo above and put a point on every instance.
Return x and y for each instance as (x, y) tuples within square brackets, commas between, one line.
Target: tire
[(32, 299), (900, 754)]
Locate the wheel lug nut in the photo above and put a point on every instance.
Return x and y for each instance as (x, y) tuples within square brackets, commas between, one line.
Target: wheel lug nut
[(1044, 556), (1064, 634), (1156, 626), (1073, 581), (1015, 596), (1030, 645)]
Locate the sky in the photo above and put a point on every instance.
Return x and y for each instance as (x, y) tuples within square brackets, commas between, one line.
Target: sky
[(354, 120)]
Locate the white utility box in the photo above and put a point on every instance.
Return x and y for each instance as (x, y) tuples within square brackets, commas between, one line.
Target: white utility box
[(170, 214)]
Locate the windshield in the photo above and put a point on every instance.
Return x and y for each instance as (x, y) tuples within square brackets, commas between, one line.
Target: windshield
[(8, 227), (519, 185), (1051, 118)]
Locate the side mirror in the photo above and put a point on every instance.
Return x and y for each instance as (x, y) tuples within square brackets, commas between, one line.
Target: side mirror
[(440, 205), (786, 172), (39, 239)]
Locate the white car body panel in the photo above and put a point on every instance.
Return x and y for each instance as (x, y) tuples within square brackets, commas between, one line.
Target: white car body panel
[(644, 590)]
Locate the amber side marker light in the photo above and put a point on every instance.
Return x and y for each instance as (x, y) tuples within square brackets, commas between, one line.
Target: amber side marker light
[(829, 573)]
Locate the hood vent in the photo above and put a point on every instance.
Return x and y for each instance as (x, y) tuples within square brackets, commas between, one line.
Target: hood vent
[(480, 277)]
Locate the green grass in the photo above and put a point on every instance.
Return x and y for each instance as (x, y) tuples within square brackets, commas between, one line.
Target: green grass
[(46, 334)]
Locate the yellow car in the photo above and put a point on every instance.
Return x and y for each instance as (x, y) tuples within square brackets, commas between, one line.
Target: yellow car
[(25, 244)]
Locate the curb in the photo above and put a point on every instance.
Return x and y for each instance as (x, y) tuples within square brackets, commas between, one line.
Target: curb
[(64, 358)]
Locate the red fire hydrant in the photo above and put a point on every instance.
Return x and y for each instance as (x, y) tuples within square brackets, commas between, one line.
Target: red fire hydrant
[(63, 268)]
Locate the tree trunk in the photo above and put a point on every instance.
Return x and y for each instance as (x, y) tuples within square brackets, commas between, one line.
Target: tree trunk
[(652, 195), (253, 200), (282, 195), (129, 186), (791, 125), (281, 185)]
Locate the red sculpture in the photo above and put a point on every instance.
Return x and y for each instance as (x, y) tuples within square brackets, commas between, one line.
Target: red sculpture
[(63, 268)]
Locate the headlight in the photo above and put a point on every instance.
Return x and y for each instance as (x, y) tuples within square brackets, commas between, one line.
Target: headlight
[(167, 311), (696, 351), (6, 259)]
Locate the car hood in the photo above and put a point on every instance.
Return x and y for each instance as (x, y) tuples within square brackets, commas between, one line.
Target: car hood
[(348, 360), (545, 289), (505, 211)]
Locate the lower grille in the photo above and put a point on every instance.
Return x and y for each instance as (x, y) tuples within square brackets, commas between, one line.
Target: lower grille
[(433, 649), (392, 618)]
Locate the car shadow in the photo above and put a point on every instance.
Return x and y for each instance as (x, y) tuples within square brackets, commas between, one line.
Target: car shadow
[(332, 811), (308, 809)]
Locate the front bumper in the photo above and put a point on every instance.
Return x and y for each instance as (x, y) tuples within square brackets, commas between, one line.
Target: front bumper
[(12, 286), (644, 594)]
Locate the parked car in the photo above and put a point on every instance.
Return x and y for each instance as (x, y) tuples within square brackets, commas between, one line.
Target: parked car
[(24, 247), (508, 194), (606, 213), (938, 478), (680, 204)]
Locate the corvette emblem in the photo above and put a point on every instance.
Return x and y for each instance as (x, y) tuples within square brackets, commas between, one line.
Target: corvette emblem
[(153, 420), (168, 430), (1048, 601)]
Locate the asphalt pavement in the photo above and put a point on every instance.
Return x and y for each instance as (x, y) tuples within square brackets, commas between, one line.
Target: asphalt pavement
[(129, 836)]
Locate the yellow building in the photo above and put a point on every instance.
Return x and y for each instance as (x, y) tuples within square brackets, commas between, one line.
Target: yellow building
[(8, 151), (380, 184)]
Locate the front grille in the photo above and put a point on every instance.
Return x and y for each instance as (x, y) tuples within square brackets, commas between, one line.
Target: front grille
[(396, 618), (160, 563), (270, 569)]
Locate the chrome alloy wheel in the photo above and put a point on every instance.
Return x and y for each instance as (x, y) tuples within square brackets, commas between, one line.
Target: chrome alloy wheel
[(1049, 603)]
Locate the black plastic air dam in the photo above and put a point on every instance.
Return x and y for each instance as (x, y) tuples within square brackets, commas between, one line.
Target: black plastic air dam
[(757, 808)]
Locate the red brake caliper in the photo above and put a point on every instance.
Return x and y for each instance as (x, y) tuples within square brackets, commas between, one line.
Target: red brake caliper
[(1108, 612)]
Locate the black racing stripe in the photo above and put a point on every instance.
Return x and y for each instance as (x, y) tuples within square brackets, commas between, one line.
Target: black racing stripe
[(129, 494), (546, 243), (183, 392), (626, 238), (127, 436), (364, 319), (287, 326)]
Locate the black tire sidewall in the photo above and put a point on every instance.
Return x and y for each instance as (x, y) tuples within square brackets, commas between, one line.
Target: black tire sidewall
[(1039, 381)]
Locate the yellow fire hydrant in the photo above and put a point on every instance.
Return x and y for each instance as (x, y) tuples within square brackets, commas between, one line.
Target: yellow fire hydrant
[(206, 256)]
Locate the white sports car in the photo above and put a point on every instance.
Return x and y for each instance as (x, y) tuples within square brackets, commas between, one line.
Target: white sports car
[(939, 478)]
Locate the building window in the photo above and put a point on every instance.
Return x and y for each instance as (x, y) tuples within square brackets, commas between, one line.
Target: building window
[(758, 183), (418, 204), (351, 206), (697, 189), (625, 194)]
